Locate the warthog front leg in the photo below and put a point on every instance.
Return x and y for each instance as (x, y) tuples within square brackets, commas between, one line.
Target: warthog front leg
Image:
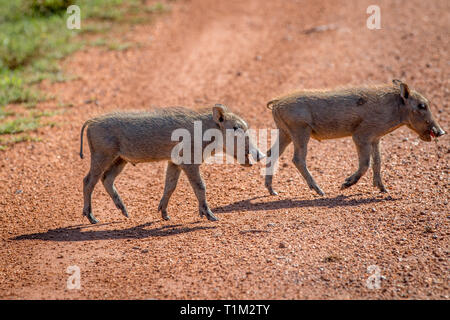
[(301, 138), (108, 182), (195, 179), (272, 158), (376, 166), (172, 174), (364, 148)]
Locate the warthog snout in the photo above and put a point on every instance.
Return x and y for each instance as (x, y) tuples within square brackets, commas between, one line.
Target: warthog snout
[(437, 132), (418, 113), (432, 132)]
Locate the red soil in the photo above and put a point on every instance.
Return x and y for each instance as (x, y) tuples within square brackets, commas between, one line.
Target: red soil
[(291, 246)]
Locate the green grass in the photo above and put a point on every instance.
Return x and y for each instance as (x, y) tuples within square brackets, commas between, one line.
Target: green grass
[(4, 143), (32, 41), (30, 44), (5, 113), (19, 125), (34, 37), (118, 46), (157, 7), (26, 122), (13, 89)]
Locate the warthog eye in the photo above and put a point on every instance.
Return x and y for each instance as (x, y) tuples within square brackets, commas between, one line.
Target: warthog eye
[(422, 106)]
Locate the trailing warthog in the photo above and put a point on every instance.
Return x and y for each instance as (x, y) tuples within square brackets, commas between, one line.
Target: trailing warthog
[(366, 114), (135, 137)]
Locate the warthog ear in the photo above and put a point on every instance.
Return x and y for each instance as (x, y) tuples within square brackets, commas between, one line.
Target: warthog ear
[(219, 111), (404, 89)]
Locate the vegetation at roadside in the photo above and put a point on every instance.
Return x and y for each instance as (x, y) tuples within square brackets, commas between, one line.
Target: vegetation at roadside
[(33, 39)]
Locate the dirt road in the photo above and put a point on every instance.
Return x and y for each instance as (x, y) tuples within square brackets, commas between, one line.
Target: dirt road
[(291, 246)]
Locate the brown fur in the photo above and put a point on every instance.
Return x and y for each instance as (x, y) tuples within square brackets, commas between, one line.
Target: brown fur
[(365, 113), (133, 137)]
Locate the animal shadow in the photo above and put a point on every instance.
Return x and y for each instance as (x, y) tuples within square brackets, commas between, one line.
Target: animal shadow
[(78, 233), (338, 201)]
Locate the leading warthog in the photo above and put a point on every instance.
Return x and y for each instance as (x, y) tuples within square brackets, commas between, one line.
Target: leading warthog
[(135, 137), (366, 114)]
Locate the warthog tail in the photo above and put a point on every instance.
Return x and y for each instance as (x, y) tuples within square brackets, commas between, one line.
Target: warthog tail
[(81, 137)]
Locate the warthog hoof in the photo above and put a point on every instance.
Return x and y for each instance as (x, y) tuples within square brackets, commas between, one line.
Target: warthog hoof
[(381, 187), (166, 217), (122, 208), (272, 192), (319, 191), (164, 214), (208, 213), (91, 218), (348, 183), (345, 186), (212, 217)]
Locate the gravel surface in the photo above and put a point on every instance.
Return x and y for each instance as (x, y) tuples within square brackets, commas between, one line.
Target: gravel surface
[(292, 246)]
